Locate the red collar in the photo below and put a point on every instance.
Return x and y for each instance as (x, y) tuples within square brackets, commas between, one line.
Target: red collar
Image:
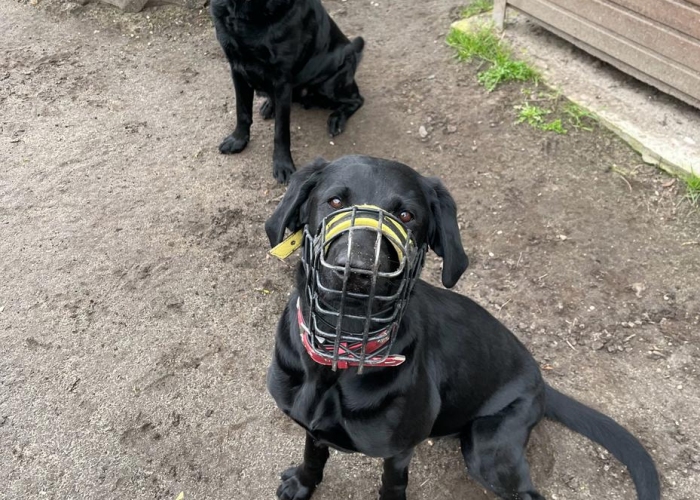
[(391, 360)]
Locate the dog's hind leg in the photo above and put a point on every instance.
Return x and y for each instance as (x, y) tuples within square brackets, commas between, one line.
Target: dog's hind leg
[(238, 140), (341, 89), (395, 476), (494, 450), (299, 483), (267, 109), (348, 103)]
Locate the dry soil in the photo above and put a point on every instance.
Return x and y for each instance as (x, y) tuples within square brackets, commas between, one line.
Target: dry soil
[(138, 304)]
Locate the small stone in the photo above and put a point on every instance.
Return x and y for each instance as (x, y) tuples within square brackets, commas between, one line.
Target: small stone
[(638, 288), (597, 345), (423, 132), (451, 129)]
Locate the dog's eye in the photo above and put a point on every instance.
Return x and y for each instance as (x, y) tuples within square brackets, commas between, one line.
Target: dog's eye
[(406, 216), (335, 203)]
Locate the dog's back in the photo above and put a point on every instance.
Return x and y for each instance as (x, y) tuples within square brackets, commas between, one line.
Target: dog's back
[(275, 40)]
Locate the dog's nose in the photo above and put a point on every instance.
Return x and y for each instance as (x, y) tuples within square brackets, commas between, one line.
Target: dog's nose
[(363, 253), (360, 258)]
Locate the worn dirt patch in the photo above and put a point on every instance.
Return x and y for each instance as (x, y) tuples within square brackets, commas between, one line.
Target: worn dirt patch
[(138, 304)]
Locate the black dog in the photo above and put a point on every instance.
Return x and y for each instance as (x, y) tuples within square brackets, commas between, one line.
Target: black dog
[(286, 50), (464, 373)]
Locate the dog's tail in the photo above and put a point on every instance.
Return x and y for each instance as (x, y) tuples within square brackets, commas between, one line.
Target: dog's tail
[(609, 434), (357, 45)]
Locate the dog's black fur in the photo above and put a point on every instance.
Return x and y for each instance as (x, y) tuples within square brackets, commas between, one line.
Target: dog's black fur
[(286, 50), (465, 374)]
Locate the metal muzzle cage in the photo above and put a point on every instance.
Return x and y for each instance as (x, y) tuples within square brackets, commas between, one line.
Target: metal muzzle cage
[(360, 334)]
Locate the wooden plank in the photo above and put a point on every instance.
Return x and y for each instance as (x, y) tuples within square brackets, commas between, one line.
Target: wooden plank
[(676, 14), (657, 37), (630, 70), (499, 13), (616, 47)]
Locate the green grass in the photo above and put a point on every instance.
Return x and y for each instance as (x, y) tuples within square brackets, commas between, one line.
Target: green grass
[(477, 7), (506, 70), (554, 126), (579, 118), (535, 117), (692, 189), (532, 115), (486, 46), (482, 43)]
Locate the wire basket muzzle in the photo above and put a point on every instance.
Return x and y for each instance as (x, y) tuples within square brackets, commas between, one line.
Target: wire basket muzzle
[(355, 323)]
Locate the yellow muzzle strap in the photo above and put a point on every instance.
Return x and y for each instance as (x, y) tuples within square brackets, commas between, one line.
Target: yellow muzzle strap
[(357, 216), (288, 246)]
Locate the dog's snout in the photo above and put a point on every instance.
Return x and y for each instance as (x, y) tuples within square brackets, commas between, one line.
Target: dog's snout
[(361, 252), (362, 259)]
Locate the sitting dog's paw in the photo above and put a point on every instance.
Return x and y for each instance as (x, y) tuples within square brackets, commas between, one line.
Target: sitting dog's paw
[(336, 123), (291, 487), (267, 109), (234, 143), (282, 169)]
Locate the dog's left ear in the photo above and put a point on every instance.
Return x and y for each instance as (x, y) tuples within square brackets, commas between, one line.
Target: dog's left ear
[(291, 213), (443, 233)]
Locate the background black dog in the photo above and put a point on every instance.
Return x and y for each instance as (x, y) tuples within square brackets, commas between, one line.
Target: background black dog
[(465, 374), (286, 50)]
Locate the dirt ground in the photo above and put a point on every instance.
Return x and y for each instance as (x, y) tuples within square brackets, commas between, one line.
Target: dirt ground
[(137, 302)]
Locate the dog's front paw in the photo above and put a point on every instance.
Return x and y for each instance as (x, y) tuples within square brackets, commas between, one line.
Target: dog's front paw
[(282, 169), (336, 123), (291, 487), (234, 143), (267, 109)]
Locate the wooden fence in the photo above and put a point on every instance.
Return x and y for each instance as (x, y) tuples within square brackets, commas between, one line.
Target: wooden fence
[(656, 41)]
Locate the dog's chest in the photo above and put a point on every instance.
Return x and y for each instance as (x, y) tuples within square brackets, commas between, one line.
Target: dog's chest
[(316, 406), (256, 48), (336, 414)]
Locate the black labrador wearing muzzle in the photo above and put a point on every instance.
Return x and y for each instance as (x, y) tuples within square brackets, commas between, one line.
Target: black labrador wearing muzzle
[(288, 51), (368, 358)]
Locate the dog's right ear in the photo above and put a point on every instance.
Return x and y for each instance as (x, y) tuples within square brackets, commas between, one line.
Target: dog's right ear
[(291, 213)]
